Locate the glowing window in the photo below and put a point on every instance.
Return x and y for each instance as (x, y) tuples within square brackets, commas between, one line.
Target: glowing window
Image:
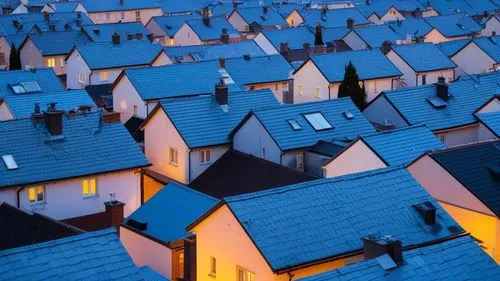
[(51, 62), (104, 76), (36, 194), (89, 187)]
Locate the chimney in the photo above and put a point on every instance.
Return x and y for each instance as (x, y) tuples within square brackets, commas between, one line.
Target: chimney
[(493, 33), (205, 12), (221, 93), (222, 63), (37, 116), (139, 36), (247, 57), (150, 37), (324, 10), (417, 13), (17, 24), (284, 51), (265, 9), (96, 30), (114, 212), (130, 36), (368, 2), (46, 16), (330, 47), (307, 50), (206, 20), (115, 38), (53, 120), (318, 37), (52, 26), (386, 47), (442, 89), (224, 37), (319, 49), (427, 211), (375, 246), (350, 23)]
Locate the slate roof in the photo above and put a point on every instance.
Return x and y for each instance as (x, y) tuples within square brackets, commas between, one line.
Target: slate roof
[(381, 7), (328, 148), (402, 146), (423, 57), (176, 6), (176, 80), (171, 24), (454, 25), (103, 32), (42, 158), (17, 39), (334, 33), (62, 21), (215, 51), (179, 204), (21, 106), (257, 15), (237, 173), (471, 165), (96, 6), (332, 18), (256, 70), (415, 27), (45, 78), (332, 65), (462, 7), (450, 48), (307, 222), (467, 96), (275, 121), (490, 45), (457, 259), (213, 30), (19, 228), (58, 43), (91, 256), (375, 35), (202, 122), (129, 53), (295, 37), (492, 121), (64, 7)]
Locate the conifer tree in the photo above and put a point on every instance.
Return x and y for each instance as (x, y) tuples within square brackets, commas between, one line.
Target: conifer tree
[(351, 87), (14, 58)]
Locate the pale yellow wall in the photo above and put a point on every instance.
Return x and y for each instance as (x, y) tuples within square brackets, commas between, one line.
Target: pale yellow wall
[(435, 37), (294, 19)]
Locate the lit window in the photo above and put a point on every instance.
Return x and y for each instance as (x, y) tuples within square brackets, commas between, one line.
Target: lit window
[(173, 156), (103, 76), (137, 15), (81, 78), (108, 16), (204, 156), (300, 162), (213, 267), (181, 265), (51, 62), (89, 187), (318, 92), (245, 275), (300, 90), (171, 41), (122, 15), (318, 121), (37, 194)]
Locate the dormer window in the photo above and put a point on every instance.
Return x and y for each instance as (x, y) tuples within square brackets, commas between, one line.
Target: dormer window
[(318, 121)]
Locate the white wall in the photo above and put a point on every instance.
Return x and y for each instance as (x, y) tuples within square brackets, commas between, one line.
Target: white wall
[(435, 37), (252, 137), (409, 76), (125, 96), (381, 110), (373, 87), (238, 22), (74, 65), (314, 162), (354, 41), (196, 167), (294, 19), (30, 55), (492, 106), (265, 45), (185, 36), (277, 88), (459, 136), (392, 15), (5, 49), (309, 78), (144, 251), (484, 133), (472, 60), (162, 59), (129, 16), (9, 196), (5, 113), (492, 25)]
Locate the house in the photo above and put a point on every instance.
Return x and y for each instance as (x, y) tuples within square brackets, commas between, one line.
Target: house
[(420, 264), (380, 150), (160, 242), (122, 10), (137, 91), (446, 109), (252, 20), (102, 63), (473, 56), (451, 27), (420, 63), (345, 17), (293, 43), (164, 28), (29, 7), (334, 36), (27, 97), (63, 257), (308, 228), (78, 170), (236, 173), (464, 180), (382, 11), (63, 7), (214, 51), (6, 43), (49, 49), (208, 30), (195, 130), (490, 122), (127, 31), (491, 25), (283, 134), (373, 36), (320, 76)]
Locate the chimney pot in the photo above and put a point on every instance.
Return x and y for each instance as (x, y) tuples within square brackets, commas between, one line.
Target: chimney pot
[(206, 20), (114, 211), (222, 63), (221, 93), (115, 38), (150, 37), (442, 89), (224, 37), (350, 23), (53, 120), (375, 246), (386, 47)]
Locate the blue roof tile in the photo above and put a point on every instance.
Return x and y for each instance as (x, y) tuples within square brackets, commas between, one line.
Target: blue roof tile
[(295, 37), (415, 27), (454, 25), (176, 6), (58, 43), (64, 7), (40, 158), (103, 32), (95, 6), (334, 33), (423, 57), (308, 222), (381, 7), (62, 22), (332, 18), (492, 121), (171, 202), (270, 18), (450, 48), (212, 31), (44, 77), (171, 24), (250, 71), (17, 40), (490, 45), (215, 51), (375, 35)]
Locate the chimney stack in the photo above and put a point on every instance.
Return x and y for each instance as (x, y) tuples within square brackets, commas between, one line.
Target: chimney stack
[(221, 93), (368, 2), (114, 212), (331, 47), (52, 26), (284, 51), (376, 246), (386, 47), (442, 89), (206, 20), (222, 63), (115, 38), (46, 16), (53, 120), (205, 12), (324, 10), (320, 49), (265, 9), (307, 50), (350, 23), (130, 36), (122, 2), (224, 37), (318, 36), (139, 36), (427, 211), (150, 37), (247, 57)]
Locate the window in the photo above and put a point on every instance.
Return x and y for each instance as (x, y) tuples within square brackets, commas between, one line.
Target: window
[(51, 62), (245, 275), (171, 41), (37, 194), (89, 187), (204, 156), (137, 15), (318, 92), (213, 267), (108, 16), (134, 110), (300, 90), (424, 79), (81, 78), (173, 156), (318, 121), (300, 161), (103, 76), (122, 15), (181, 265)]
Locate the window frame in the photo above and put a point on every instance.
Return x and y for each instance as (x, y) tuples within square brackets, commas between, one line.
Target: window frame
[(245, 272), (36, 189), (107, 16), (81, 78), (89, 194), (138, 15), (203, 156), (173, 156), (317, 92), (51, 62)]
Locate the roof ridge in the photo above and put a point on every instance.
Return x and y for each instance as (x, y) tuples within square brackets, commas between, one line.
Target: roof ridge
[(394, 130), (192, 190), (464, 146)]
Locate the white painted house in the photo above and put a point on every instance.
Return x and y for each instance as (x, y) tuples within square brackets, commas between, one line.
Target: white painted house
[(204, 31), (114, 11), (491, 26)]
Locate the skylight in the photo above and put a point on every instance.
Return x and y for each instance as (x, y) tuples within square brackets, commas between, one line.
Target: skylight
[(18, 89), (437, 102), (31, 87), (318, 121), (295, 126), (225, 75), (9, 161)]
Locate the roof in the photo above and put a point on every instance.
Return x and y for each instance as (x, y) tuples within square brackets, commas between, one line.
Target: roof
[(64, 7), (21, 106), (381, 7), (295, 37), (275, 121), (44, 77), (469, 7), (307, 222), (454, 25), (171, 24), (466, 96), (212, 31), (63, 257), (103, 32), (402, 146), (415, 27), (375, 35), (490, 45), (17, 39), (58, 43), (42, 158), (250, 71), (473, 166), (175, 6), (450, 48), (171, 202), (109, 55), (19, 228), (258, 15), (334, 33), (333, 17), (423, 57), (215, 51), (446, 260), (96, 6), (153, 83), (62, 22), (133, 126), (202, 122), (328, 148), (492, 121), (332, 65), (237, 173)]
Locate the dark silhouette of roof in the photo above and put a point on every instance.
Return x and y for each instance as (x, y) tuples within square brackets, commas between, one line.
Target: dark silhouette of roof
[(133, 124)]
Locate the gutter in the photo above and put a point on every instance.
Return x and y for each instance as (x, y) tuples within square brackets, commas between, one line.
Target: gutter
[(17, 196)]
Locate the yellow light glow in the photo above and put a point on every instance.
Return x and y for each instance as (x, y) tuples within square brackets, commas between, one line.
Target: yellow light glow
[(32, 194)]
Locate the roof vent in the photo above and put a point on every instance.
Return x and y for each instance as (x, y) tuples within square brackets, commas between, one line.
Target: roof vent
[(347, 115), (9, 161), (376, 246), (137, 224), (247, 57), (495, 171), (427, 211)]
